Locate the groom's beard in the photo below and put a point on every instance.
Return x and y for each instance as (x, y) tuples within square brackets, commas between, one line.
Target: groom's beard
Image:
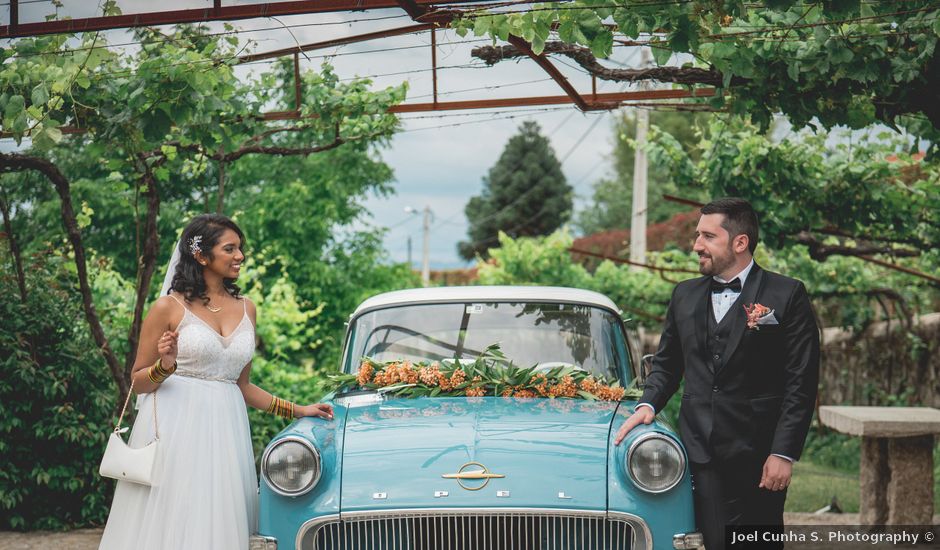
[(714, 265)]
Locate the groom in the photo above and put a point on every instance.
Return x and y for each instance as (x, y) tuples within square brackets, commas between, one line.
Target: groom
[(747, 344)]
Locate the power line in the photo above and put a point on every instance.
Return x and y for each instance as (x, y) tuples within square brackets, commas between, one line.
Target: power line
[(513, 110), (220, 33), (454, 125), (483, 88), (413, 71), (221, 60), (550, 134)]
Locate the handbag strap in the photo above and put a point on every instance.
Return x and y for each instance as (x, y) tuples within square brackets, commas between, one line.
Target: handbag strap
[(117, 427)]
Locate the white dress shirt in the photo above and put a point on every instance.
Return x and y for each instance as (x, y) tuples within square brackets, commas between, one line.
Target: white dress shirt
[(721, 304)]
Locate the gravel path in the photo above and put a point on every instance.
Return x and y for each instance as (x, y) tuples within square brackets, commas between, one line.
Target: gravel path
[(79, 539)]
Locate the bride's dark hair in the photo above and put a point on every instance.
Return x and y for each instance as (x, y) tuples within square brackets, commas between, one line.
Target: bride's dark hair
[(188, 279)]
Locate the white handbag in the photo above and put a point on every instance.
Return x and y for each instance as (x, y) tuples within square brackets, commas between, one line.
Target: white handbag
[(124, 463)]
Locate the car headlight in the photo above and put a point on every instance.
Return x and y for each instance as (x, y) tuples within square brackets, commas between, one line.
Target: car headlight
[(291, 466), (655, 462)]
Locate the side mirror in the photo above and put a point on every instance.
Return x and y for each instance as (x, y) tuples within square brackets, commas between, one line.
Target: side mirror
[(646, 367)]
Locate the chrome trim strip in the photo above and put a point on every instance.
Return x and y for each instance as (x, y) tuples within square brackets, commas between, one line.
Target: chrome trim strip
[(639, 526), (655, 435), (416, 512), (310, 524), (316, 456), (642, 536)]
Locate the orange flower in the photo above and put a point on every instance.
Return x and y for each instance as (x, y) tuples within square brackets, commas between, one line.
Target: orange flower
[(364, 376), (589, 384), (409, 374), (429, 375), (608, 393), (565, 388), (755, 312), (540, 387), (458, 377), (476, 392), (391, 374), (379, 379), (527, 394)]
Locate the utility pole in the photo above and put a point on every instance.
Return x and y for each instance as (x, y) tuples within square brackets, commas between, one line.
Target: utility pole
[(409, 252), (638, 218), (426, 260)]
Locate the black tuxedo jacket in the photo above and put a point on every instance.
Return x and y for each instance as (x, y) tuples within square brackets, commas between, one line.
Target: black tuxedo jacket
[(759, 398)]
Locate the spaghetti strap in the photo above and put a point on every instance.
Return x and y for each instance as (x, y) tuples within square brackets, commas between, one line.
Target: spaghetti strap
[(178, 301), (245, 305)]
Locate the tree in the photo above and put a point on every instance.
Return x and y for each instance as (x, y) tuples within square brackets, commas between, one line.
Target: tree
[(152, 125), (612, 196), (852, 198), (847, 62), (525, 194), (166, 133)]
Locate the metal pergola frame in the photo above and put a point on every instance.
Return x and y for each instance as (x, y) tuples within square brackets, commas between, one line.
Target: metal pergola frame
[(429, 15)]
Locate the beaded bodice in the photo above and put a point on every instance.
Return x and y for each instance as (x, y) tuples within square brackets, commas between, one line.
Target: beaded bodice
[(204, 353)]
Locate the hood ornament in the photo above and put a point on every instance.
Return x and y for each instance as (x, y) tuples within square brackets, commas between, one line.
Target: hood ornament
[(466, 473)]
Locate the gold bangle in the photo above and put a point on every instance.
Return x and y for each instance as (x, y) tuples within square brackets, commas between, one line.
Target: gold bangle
[(281, 407), (158, 374)]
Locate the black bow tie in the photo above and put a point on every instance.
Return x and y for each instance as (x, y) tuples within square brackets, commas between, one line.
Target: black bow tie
[(734, 285)]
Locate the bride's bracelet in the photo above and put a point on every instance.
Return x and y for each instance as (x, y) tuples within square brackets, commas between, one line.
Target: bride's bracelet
[(158, 374), (281, 407)]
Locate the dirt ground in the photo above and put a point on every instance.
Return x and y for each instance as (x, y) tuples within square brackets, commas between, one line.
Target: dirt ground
[(87, 539), (79, 539)]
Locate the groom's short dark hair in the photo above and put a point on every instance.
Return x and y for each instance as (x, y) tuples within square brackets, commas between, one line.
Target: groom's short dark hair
[(740, 218)]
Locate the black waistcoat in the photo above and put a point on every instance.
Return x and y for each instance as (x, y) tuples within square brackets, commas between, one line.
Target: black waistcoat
[(718, 335)]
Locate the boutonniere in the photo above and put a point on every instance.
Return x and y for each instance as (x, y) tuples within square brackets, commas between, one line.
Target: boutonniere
[(759, 314)]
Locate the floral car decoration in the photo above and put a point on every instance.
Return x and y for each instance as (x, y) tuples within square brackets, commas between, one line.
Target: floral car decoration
[(490, 374), (440, 439)]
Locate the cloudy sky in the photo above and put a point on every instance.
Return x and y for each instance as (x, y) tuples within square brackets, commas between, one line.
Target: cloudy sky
[(439, 158)]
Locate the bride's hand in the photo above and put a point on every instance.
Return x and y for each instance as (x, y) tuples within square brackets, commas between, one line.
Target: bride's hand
[(167, 348), (319, 409)]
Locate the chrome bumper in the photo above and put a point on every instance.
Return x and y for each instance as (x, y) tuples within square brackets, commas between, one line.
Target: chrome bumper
[(688, 541), (261, 542)]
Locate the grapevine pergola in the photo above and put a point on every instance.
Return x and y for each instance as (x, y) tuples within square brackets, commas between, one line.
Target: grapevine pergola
[(428, 15)]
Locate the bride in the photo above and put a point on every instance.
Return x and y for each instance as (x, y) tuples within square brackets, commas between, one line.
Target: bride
[(194, 359)]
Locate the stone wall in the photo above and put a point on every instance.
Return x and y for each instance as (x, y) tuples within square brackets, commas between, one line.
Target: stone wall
[(885, 365)]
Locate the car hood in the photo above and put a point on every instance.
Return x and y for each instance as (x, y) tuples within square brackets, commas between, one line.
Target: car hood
[(552, 452)]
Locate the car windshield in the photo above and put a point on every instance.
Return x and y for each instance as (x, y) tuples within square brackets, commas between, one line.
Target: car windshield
[(548, 335)]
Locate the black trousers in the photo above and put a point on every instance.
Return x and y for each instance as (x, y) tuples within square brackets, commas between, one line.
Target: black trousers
[(727, 493)]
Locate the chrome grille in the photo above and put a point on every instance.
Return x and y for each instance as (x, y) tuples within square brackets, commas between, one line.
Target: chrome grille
[(472, 529)]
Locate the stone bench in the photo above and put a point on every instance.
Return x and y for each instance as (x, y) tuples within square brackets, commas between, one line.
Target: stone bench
[(896, 477)]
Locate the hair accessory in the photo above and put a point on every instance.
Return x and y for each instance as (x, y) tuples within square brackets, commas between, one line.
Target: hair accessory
[(194, 244)]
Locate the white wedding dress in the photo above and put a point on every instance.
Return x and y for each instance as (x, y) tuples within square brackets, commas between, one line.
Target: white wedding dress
[(206, 493)]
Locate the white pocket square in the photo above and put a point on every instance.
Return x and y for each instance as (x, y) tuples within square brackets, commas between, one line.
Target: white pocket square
[(768, 319)]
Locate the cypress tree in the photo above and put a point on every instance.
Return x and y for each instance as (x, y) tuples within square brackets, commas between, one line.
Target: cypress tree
[(525, 194)]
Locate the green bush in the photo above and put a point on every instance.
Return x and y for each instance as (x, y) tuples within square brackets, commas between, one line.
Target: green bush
[(289, 335), (825, 447), (643, 295), (56, 403)]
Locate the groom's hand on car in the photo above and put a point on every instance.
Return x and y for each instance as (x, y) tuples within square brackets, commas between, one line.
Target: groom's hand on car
[(642, 415)]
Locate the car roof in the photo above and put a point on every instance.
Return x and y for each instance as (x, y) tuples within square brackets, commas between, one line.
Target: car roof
[(445, 294)]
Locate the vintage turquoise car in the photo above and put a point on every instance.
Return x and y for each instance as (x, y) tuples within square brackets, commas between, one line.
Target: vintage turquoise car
[(478, 472)]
